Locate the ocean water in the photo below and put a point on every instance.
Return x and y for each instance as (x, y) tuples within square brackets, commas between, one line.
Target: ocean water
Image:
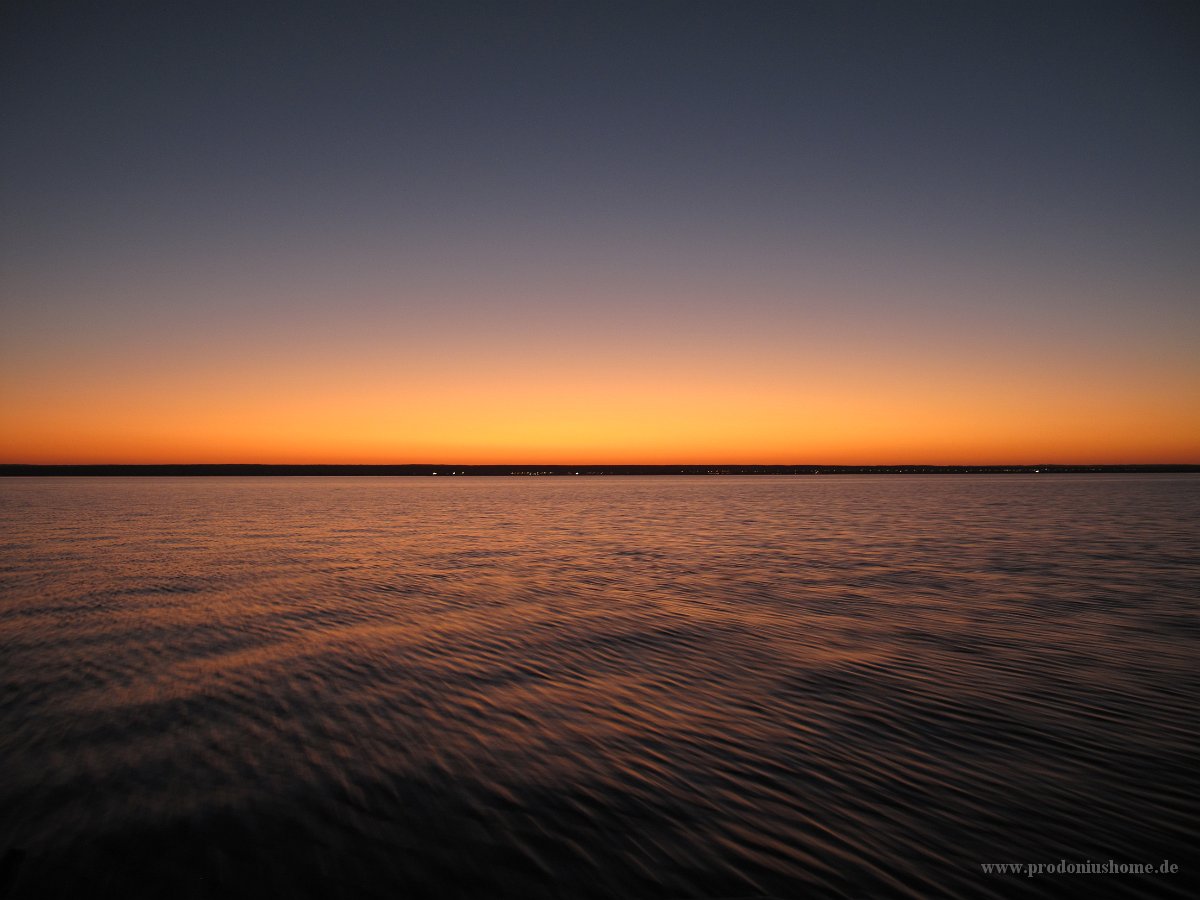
[(599, 687)]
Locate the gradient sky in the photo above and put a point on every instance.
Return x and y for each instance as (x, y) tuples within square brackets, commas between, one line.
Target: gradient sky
[(777, 232)]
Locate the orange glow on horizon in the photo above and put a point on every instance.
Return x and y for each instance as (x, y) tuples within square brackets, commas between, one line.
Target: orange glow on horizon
[(711, 386), (652, 412)]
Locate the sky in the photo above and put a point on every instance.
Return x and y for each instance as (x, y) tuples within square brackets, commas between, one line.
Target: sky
[(494, 232)]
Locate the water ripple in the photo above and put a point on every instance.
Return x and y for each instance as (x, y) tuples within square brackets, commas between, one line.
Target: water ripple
[(598, 688)]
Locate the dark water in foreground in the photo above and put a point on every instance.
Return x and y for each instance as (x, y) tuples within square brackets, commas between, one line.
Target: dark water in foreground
[(598, 687)]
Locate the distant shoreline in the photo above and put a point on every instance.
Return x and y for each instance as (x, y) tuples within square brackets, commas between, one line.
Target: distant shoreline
[(209, 469)]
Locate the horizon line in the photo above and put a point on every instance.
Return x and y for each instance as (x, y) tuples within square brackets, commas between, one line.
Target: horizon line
[(467, 469)]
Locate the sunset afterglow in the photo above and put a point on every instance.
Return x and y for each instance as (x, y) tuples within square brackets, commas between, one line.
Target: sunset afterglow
[(639, 241)]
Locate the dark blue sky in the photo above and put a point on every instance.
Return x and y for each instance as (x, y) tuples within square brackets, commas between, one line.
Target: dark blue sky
[(994, 119)]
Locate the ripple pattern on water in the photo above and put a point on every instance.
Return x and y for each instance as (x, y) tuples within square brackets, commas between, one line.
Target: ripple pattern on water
[(827, 687)]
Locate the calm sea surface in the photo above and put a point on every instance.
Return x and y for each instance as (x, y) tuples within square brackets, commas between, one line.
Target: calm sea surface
[(598, 687)]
